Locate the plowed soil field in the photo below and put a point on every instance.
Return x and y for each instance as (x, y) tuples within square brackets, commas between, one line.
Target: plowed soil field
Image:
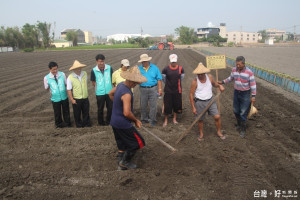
[(38, 161)]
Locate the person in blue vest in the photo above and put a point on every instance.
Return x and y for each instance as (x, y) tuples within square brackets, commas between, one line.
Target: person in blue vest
[(78, 94), (150, 90), (101, 77), (55, 83), (128, 139)]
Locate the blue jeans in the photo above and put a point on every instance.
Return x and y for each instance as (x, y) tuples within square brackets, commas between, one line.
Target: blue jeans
[(241, 104)]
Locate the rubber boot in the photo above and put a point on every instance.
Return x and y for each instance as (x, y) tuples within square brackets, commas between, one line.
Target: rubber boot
[(119, 157), (125, 162), (238, 125), (243, 129)]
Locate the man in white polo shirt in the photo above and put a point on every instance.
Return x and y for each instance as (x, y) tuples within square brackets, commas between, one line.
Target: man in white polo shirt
[(55, 83)]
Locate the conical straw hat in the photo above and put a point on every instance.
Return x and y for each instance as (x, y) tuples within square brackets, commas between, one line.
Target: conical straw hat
[(134, 74), (252, 111), (201, 69), (76, 65)]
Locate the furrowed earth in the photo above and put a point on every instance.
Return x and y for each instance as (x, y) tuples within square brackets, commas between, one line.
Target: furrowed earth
[(41, 162)]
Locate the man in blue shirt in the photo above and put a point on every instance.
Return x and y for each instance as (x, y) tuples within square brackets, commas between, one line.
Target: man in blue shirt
[(127, 137), (149, 90)]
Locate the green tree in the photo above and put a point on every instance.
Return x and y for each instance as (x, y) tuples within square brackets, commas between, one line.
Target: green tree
[(290, 36), (277, 39), (13, 37), (113, 41), (31, 36), (215, 39), (203, 39), (186, 35), (131, 41), (72, 36), (170, 38), (144, 42), (2, 37), (264, 35), (44, 29)]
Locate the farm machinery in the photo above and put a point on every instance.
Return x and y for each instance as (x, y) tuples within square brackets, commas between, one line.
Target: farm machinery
[(162, 46)]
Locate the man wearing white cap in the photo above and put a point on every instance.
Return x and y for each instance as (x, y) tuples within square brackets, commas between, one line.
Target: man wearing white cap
[(116, 76), (201, 95), (149, 89), (172, 77), (78, 94), (128, 139)]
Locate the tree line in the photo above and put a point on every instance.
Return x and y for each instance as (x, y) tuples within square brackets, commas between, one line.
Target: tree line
[(39, 36), (29, 36), (186, 36)]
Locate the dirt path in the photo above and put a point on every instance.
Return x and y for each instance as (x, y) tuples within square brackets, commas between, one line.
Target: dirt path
[(40, 162)]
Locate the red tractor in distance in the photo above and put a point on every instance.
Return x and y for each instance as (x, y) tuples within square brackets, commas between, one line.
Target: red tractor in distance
[(165, 45)]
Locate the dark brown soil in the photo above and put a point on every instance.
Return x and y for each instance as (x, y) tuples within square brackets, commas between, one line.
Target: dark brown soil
[(41, 162)]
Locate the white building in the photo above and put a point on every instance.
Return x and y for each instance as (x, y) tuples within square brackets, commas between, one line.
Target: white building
[(62, 43), (124, 37), (269, 41), (210, 30), (6, 49), (274, 33), (239, 37), (88, 37), (80, 34)]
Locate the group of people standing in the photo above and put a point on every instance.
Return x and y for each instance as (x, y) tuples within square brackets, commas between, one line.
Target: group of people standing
[(76, 88), (115, 89)]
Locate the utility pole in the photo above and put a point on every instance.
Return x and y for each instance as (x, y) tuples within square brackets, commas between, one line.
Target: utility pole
[(54, 29), (141, 31), (294, 33), (241, 35)]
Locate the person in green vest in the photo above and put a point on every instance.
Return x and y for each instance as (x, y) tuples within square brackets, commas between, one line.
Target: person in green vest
[(101, 77), (78, 94), (55, 83)]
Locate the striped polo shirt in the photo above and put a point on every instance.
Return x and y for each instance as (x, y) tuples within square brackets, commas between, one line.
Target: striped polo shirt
[(243, 80)]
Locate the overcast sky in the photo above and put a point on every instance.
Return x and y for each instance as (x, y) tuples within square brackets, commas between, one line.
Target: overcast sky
[(155, 17)]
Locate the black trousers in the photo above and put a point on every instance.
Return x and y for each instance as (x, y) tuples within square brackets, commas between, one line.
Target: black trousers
[(128, 139), (172, 103), (101, 100), (64, 106), (82, 107)]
